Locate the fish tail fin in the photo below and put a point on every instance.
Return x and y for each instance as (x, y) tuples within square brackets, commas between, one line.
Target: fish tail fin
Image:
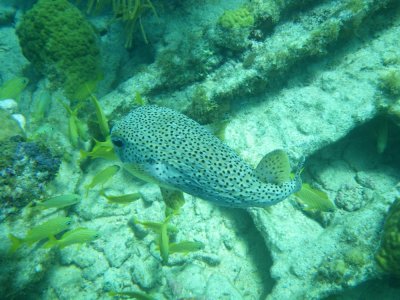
[(30, 204), (84, 154), (39, 205), (15, 243), (51, 242)]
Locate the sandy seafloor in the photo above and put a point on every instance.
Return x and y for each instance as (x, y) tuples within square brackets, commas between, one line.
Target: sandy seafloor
[(309, 77)]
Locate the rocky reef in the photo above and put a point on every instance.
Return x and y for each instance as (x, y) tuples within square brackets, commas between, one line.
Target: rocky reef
[(316, 78)]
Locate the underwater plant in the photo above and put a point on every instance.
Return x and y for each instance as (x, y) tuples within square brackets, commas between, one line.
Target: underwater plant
[(129, 11), (65, 49)]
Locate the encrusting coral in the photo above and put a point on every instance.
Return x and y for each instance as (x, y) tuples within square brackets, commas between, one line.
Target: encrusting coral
[(388, 255)]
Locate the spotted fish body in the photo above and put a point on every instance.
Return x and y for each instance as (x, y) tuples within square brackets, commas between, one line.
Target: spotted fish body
[(176, 152)]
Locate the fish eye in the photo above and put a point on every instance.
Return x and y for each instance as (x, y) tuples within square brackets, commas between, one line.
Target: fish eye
[(69, 223), (117, 142)]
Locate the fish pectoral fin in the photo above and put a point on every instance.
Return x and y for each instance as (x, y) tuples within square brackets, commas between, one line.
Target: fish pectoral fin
[(274, 167), (153, 172), (138, 171)]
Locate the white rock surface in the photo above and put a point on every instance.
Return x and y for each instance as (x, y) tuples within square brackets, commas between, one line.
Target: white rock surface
[(303, 120), (9, 105)]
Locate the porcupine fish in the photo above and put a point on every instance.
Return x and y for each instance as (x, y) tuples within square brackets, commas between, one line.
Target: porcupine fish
[(174, 151)]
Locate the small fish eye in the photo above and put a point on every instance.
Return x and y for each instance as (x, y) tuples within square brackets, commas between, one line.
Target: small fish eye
[(117, 142), (69, 223)]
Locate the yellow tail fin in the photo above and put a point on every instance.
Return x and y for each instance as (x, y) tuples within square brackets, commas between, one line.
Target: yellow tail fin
[(15, 243)]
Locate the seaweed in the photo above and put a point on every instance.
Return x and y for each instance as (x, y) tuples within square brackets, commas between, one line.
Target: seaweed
[(129, 11)]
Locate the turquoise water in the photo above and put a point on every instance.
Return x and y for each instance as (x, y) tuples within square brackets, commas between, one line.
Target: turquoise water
[(85, 214)]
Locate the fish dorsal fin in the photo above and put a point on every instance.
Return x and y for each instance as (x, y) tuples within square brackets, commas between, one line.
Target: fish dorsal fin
[(274, 167)]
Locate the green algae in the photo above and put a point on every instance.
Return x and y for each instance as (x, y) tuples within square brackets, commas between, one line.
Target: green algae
[(202, 108), (234, 19), (356, 257), (390, 82)]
